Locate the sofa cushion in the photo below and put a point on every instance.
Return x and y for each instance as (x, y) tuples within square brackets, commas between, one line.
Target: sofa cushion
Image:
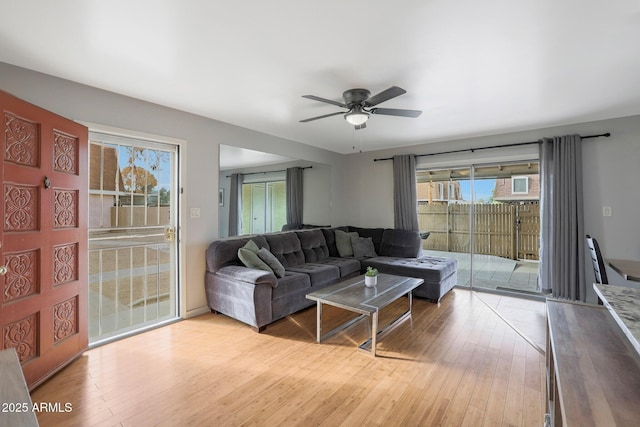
[(251, 259), (343, 243), (330, 239), (431, 269), (291, 282), (271, 261), (313, 245), (363, 247), (318, 273), (374, 233), (400, 243), (286, 247), (347, 266)]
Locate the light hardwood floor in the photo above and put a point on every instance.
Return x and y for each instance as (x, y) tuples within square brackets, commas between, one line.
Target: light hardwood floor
[(454, 364)]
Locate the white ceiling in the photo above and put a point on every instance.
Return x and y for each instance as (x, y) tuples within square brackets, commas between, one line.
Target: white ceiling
[(237, 157), (473, 68)]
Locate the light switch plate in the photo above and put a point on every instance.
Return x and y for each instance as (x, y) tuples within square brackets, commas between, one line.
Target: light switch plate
[(195, 212), (606, 211)]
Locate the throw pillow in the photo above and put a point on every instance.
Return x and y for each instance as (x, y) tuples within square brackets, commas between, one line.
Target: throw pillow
[(271, 260), (363, 247), (343, 243), (252, 246), (252, 260)]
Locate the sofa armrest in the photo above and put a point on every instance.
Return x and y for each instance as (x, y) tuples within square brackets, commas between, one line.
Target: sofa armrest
[(249, 275)]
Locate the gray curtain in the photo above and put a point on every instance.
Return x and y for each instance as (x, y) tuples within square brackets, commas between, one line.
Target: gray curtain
[(294, 195), (405, 199), (562, 224), (233, 204)]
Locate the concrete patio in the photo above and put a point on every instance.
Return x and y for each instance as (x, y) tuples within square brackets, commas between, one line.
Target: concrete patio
[(493, 272)]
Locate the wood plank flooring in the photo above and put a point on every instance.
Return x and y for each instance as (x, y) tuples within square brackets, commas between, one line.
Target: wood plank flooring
[(454, 364)]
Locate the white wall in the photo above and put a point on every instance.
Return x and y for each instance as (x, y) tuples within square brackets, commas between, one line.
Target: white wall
[(200, 176), (611, 178), (317, 184), (361, 190)]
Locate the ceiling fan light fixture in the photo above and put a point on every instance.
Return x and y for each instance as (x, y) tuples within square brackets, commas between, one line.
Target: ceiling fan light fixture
[(360, 105), (356, 117)]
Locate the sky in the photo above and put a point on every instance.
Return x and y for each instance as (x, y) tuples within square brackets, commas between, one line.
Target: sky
[(483, 189), (156, 162)]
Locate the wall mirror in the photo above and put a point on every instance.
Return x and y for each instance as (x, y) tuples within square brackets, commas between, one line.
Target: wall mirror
[(262, 190)]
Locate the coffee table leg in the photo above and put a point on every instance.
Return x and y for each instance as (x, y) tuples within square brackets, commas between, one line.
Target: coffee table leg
[(410, 301), (319, 322), (374, 333)]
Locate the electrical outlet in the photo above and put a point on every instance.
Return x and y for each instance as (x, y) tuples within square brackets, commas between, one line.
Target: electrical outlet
[(195, 212), (606, 211)]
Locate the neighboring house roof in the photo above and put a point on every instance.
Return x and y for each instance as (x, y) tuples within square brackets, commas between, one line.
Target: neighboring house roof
[(503, 189), (109, 166)]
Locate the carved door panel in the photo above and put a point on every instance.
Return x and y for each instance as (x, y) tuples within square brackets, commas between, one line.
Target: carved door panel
[(43, 173)]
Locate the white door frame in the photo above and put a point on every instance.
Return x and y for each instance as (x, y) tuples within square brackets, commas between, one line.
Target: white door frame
[(180, 221)]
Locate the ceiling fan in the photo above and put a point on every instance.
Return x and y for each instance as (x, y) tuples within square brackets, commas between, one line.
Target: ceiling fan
[(361, 105)]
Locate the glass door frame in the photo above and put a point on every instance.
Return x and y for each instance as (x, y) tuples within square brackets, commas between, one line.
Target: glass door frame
[(452, 239), (472, 210)]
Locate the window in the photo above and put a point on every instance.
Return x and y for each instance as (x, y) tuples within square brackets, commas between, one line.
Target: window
[(519, 185), (451, 194)]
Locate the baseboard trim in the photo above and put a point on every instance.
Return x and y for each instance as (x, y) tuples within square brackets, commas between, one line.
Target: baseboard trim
[(196, 312)]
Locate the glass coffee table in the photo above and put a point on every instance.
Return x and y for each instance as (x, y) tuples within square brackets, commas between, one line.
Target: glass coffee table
[(354, 296)]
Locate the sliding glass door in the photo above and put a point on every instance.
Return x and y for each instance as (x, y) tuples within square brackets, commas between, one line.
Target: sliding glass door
[(506, 226), (444, 207), (263, 207), (486, 216)]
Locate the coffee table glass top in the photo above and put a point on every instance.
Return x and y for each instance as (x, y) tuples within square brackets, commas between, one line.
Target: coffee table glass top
[(353, 295)]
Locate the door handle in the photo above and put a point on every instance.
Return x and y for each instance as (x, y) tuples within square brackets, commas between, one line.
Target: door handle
[(169, 233), (3, 270)]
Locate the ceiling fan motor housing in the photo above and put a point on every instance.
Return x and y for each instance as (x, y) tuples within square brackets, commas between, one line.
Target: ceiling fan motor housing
[(355, 96)]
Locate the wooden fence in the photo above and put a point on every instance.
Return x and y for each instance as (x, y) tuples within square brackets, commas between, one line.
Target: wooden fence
[(505, 230), (139, 216)]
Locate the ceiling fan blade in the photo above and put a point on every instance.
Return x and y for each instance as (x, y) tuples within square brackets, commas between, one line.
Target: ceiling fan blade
[(328, 101), (385, 95), (362, 126), (322, 117), (396, 112)]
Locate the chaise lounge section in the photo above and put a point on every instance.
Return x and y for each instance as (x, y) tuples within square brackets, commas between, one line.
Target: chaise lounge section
[(313, 259)]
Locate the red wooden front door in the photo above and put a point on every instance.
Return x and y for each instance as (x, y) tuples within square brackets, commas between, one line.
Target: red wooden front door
[(43, 238)]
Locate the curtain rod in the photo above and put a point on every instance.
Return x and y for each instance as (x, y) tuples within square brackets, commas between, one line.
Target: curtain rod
[(606, 135), (257, 173)]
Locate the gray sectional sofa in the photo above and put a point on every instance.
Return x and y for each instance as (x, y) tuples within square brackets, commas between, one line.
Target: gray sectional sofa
[(312, 261)]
